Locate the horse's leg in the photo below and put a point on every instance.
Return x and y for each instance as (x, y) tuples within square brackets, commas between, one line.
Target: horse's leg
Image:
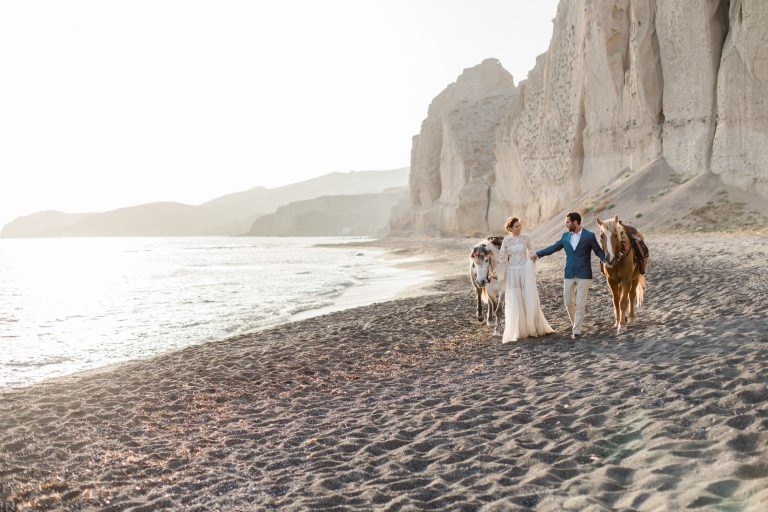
[(624, 304), (632, 299), (613, 286), (479, 292)]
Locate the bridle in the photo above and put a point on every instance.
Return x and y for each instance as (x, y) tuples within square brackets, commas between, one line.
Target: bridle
[(624, 246)]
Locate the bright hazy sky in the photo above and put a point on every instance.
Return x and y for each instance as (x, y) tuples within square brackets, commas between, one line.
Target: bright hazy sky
[(105, 104)]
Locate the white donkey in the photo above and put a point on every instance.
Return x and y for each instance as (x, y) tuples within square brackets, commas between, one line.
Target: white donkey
[(488, 287)]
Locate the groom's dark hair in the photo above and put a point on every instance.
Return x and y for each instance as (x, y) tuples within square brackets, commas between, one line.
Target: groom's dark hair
[(574, 217)]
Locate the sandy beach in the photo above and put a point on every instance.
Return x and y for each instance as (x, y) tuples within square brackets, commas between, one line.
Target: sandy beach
[(412, 405)]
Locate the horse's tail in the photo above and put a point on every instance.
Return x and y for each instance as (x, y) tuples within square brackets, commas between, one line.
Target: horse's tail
[(640, 290)]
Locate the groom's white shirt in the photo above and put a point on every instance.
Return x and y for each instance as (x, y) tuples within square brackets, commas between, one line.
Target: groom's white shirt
[(575, 237)]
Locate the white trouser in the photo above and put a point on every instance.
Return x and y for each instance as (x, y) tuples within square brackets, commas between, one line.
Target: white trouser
[(575, 293)]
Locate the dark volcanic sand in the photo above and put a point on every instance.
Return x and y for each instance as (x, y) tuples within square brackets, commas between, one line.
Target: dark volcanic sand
[(412, 405)]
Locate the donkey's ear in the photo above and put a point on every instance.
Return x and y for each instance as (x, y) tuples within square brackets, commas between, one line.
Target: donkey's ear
[(599, 222)]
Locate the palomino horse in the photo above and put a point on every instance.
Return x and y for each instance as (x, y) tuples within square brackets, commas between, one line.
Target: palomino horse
[(487, 286), (623, 269)]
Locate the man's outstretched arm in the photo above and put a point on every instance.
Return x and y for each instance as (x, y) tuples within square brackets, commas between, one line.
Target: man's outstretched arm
[(549, 250)]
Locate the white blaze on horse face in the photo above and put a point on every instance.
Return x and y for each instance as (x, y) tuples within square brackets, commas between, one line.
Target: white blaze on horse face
[(609, 248)]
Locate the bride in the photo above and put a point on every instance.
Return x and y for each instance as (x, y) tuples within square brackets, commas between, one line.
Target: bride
[(522, 311)]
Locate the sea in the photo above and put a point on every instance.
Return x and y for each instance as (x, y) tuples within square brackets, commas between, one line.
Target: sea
[(72, 304)]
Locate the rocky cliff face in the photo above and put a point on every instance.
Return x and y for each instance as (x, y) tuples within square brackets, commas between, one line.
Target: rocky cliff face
[(740, 149), (623, 83), (454, 153)]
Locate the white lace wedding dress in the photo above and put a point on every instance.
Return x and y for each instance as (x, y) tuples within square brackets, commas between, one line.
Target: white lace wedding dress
[(522, 312)]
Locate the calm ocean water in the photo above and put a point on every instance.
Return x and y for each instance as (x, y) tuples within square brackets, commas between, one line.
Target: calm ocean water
[(74, 304)]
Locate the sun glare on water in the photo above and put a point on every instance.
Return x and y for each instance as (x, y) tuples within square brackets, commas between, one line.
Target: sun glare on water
[(75, 303)]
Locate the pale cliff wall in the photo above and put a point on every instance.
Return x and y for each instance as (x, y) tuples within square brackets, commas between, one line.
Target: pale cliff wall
[(453, 153), (591, 107), (740, 150), (540, 146), (691, 35), (623, 83)]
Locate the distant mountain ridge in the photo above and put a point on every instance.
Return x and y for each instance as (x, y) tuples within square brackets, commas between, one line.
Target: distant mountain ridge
[(51, 219), (354, 214), (231, 214)]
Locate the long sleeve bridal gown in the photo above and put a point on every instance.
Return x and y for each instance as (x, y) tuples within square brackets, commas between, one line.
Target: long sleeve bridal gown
[(522, 312)]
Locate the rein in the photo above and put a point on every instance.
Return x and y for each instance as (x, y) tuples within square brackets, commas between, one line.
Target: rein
[(491, 274)]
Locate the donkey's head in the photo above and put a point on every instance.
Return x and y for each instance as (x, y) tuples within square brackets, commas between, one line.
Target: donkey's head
[(480, 261)]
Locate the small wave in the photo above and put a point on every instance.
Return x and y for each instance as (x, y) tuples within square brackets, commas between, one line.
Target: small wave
[(192, 324), (336, 289), (256, 322), (38, 362), (300, 308)]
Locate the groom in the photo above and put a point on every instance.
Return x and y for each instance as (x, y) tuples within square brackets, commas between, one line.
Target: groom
[(578, 243)]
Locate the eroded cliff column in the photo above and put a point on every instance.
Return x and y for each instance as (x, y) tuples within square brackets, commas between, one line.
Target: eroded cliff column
[(452, 157), (740, 152), (623, 92), (691, 35), (539, 150)]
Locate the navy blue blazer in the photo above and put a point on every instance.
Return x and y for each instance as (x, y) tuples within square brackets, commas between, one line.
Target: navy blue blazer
[(577, 263)]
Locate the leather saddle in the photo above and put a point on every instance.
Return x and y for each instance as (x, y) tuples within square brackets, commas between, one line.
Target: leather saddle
[(641, 251)]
